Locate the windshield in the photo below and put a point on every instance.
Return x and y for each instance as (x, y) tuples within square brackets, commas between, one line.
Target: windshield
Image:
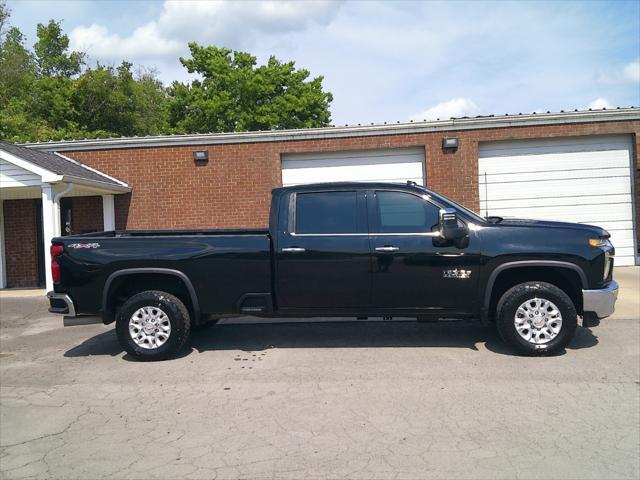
[(470, 213)]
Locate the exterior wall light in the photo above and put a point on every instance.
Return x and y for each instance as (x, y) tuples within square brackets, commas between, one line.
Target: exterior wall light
[(450, 143), (201, 157)]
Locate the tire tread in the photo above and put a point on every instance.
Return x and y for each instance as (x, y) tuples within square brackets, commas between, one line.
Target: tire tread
[(514, 295), (180, 314)]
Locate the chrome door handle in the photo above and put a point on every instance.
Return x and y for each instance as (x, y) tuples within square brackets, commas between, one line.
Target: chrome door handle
[(294, 249), (387, 249)]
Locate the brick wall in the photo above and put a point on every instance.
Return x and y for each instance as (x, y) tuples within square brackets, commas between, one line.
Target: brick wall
[(86, 214), (233, 189), (20, 242)]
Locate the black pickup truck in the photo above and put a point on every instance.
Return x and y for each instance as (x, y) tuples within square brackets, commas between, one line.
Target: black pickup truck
[(342, 249)]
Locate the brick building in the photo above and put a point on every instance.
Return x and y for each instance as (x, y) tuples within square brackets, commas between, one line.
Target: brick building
[(576, 166)]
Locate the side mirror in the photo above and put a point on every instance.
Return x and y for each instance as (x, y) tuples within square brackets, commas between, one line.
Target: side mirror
[(450, 228)]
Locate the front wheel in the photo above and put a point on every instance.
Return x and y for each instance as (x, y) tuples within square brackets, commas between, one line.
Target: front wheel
[(536, 318), (153, 325)]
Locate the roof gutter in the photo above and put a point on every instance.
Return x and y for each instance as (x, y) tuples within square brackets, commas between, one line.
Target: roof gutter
[(110, 187), (458, 124)]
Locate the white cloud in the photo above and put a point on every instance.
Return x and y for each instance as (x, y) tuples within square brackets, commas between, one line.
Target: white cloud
[(456, 107), (629, 73), (145, 41), (598, 104), (232, 24), (632, 71)]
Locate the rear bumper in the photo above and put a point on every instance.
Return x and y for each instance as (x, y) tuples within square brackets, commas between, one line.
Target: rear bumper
[(61, 303), (600, 302)]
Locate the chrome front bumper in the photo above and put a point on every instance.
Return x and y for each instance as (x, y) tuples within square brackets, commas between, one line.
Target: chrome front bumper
[(601, 302), (61, 303)]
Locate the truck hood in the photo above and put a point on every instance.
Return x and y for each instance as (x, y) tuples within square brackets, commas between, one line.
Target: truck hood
[(520, 222)]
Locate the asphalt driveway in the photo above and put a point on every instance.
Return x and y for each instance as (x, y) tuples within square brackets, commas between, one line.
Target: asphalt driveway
[(333, 399)]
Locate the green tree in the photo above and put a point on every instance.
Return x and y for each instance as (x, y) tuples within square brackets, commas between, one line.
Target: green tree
[(234, 94), (112, 101), (48, 93), (5, 13), (17, 67), (17, 76), (151, 103), (52, 52)]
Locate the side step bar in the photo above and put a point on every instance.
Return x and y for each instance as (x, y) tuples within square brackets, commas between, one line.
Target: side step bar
[(81, 320)]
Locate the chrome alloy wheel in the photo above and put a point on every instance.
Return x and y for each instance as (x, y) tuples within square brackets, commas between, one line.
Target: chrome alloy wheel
[(149, 327), (538, 321)]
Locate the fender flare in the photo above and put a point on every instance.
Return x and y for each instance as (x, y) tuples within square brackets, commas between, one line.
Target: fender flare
[(528, 263), (161, 271)]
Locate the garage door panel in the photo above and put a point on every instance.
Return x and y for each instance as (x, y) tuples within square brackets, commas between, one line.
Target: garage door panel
[(394, 172), (579, 213), (544, 176), (390, 165), (556, 145), (565, 201), (383, 155), (625, 257), (555, 188), (584, 179), (557, 163), (626, 243)]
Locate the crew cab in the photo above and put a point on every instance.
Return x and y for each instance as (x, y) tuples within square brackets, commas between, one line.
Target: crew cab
[(342, 249)]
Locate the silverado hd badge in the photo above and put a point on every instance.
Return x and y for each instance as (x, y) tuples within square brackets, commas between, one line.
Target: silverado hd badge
[(84, 245), (456, 273)]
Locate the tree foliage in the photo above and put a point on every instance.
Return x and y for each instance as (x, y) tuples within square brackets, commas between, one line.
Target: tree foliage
[(50, 93), (234, 94), (52, 52)]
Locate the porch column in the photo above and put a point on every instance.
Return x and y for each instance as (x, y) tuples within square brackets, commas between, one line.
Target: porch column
[(108, 213), (49, 229)]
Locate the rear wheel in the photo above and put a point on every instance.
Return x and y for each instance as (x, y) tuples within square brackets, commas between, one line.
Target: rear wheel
[(536, 318), (153, 325)]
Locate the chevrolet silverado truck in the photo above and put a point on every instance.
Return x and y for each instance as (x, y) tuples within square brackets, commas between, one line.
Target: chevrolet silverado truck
[(342, 249)]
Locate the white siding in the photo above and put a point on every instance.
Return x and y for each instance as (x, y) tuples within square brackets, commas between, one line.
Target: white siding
[(391, 165), (584, 179), (14, 176)]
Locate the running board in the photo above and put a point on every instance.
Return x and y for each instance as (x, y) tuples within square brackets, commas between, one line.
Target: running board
[(68, 321)]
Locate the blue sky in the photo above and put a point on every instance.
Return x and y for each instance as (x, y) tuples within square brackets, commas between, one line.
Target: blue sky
[(386, 61)]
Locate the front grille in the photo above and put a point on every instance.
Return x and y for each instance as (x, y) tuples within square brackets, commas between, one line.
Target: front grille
[(608, 269)]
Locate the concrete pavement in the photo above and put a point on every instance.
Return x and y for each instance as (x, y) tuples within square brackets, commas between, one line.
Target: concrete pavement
[(344, 399)]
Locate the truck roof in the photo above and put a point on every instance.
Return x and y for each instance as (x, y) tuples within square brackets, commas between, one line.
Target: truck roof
[(359, 185)]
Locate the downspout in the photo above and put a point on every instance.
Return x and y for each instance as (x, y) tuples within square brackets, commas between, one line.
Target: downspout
[(56, 199), (64, 192)]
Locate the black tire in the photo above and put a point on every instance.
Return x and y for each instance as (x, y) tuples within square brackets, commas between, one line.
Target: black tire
[(177, 314), (516, 296)]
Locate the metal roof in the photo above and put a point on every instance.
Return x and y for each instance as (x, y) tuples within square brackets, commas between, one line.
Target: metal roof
[(453, 124), (58, 164)]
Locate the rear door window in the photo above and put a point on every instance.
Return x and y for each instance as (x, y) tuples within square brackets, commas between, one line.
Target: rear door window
[(326, 212)]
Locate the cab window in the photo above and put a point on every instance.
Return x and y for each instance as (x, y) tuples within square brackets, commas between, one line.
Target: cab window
[(326, 213), (399, 212)]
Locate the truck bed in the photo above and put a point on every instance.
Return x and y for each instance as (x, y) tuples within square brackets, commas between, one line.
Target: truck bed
[(222, 265)]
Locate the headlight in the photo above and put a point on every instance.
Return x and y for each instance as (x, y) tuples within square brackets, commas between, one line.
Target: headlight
[(599, 242)]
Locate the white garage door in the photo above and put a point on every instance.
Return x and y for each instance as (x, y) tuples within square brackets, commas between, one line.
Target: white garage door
[(583, 179), (394, 165)]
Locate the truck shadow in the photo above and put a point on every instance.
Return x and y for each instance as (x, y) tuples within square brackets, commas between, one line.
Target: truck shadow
[(344, 334)]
